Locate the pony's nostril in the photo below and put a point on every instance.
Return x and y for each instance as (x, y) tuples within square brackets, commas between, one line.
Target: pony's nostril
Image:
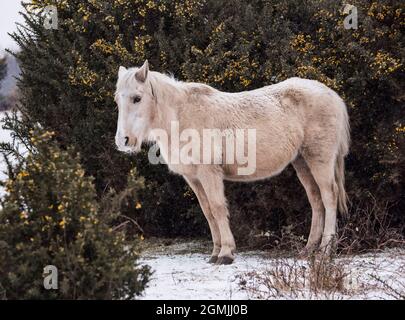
[(126, 140)]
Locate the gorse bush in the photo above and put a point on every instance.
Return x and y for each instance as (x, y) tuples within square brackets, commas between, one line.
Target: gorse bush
[(69, 76), (50, 216)]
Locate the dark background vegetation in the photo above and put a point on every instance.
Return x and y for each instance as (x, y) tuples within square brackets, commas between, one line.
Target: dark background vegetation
[(68, 81)]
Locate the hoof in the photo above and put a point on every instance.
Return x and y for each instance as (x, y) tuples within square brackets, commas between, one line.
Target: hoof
[(213, 259), (224, 260)]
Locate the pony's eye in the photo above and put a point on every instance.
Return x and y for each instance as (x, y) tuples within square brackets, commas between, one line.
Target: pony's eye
[(136, 99)]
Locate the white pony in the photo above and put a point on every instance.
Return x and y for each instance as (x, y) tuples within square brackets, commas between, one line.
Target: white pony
[(296, 121)]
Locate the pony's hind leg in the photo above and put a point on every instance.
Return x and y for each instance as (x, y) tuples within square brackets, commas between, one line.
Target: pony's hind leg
[(324, 175), (196, 186), (314, 196)]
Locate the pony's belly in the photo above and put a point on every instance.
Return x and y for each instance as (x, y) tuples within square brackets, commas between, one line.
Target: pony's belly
[(266, 167), (257, 175)]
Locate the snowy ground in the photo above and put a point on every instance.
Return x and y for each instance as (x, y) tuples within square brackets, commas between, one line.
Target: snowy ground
[(180, 275)]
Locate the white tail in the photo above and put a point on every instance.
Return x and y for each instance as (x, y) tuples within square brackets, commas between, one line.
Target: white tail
[(340, 164)]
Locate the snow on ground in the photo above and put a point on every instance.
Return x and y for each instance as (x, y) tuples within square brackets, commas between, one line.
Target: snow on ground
[(181, 275), (377, 275), (189, 276)]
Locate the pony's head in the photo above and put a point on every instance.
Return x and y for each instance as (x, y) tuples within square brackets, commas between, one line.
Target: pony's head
[(136, 101)]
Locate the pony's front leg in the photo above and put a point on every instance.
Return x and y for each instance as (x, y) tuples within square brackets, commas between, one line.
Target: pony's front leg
[(213, 185), (196, 186)]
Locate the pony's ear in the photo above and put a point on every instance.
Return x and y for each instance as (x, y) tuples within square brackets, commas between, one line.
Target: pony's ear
[(142, 73), (121, 71)]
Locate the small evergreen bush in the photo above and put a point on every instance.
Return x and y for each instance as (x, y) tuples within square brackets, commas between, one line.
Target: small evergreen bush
[(50, 216)]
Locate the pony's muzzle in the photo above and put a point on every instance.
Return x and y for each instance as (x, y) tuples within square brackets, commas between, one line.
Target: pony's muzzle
[(126, 143), (130, 142)]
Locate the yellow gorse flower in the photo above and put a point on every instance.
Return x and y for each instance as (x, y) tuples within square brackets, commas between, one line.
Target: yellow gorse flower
[(62, 223), (23, 215), (22, 174)]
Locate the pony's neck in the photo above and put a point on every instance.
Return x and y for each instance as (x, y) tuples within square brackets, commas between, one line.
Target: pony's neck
[(170, 95)]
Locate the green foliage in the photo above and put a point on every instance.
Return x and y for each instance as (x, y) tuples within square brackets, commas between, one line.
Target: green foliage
[(69, 77), (50, 216)]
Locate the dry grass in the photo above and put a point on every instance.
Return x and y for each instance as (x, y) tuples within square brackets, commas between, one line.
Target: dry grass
[(292, 278), (326, 275), (369, 226), (346, 277)]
